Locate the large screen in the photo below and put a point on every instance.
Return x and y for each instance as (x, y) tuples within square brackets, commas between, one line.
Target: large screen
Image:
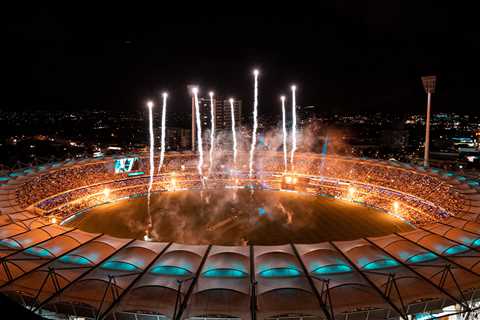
[(126, 165)]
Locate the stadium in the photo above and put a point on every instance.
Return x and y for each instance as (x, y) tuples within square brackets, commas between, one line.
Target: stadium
[(423, 263)]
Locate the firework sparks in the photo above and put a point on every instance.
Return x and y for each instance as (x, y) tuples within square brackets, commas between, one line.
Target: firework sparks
[(234, 134), (150, 181), (212, 131), (294, 127), (255, 123), (284, 129), (162, 141), (199, 134)]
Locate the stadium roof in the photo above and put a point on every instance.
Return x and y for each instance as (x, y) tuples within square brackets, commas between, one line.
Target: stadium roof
[(67, 270)]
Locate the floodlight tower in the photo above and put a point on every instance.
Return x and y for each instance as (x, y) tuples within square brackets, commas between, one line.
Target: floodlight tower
[(429, 86)]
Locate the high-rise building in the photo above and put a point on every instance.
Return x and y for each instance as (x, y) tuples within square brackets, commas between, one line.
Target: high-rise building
[(178, 138), (222, 114)]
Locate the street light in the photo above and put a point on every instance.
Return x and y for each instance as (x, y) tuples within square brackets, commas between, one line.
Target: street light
[(429, 86)]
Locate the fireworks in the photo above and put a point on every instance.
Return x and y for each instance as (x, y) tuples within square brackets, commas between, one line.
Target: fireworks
[(162, 141), (150, 181), (199, 134), (212, 131), (284, 129), (255, 123), (294, 127), (234, 134)]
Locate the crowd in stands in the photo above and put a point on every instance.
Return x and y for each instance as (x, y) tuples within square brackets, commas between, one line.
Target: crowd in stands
[(424, 196)]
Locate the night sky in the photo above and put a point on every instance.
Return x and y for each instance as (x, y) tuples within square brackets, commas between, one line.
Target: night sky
[(342, 57)]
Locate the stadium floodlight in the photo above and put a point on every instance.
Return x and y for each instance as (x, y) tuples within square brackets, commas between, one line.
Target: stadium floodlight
[(429, 86), (351, 191), (106, 193), (429, 83), (396, 206)]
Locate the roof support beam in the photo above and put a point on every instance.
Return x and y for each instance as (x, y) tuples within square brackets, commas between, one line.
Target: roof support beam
[(419, 274), (26, 229), (370, 282), (50, 260), (328, 312), (4, 258), (441, 255), (130, 286), (447, 238), (184, 303), (472, 232), (253, 285), (92, 268)]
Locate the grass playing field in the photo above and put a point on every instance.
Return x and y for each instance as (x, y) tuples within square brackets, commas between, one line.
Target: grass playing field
[(233, 217)]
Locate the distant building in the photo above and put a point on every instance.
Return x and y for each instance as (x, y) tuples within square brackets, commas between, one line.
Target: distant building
[(222, 114), (178, 138), (305, 114)]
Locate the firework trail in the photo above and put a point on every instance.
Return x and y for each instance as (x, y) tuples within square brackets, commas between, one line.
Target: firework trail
[(199, 135), (234, 134), (162, 145), (255, 123), (294, 127), (284, 128), (212, 131), (150, 181)]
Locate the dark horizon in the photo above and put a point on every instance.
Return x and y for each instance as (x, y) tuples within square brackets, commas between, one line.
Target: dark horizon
[(346, 58)]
